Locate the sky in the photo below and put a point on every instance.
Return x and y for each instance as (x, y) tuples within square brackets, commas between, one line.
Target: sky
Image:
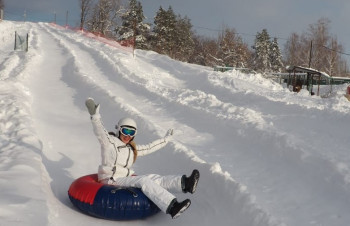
[(247, 17)]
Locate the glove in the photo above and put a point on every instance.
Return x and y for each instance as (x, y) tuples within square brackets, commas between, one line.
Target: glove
[(169, 134), (91, 106)]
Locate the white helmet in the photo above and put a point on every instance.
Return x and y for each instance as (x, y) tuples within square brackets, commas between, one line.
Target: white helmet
[(128, 122)]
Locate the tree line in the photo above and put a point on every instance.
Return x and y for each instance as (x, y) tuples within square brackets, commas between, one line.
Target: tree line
[(173, 35)]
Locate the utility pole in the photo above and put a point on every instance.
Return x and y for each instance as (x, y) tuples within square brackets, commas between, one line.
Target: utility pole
[(309, 75), (310, 54), (67, 19), (15, 40)]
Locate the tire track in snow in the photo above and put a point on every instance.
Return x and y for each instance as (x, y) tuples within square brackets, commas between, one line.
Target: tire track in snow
[(302, 153), (298, 108), (52, 123), (20, 155), (235, 86), (8, 66), (195, 99)]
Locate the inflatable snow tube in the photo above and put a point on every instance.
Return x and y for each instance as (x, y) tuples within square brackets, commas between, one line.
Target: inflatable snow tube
[(108, 201)]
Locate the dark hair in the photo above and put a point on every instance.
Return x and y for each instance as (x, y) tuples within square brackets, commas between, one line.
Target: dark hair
[(112, 133)]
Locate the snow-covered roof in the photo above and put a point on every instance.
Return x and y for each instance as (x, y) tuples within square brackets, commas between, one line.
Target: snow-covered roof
[(314, 71)]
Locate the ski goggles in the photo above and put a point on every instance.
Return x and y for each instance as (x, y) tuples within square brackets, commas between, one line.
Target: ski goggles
[(127, 131)]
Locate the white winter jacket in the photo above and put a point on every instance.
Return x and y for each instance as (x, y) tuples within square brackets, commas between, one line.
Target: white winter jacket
[(118, 157)]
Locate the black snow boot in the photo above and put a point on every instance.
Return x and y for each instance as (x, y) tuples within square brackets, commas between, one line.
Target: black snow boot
[(189, 184), (176, 208)]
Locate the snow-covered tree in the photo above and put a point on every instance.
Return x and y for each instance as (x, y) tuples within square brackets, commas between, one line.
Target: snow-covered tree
[(104, 16), (233, 51), (164, 31), (133, 26), (262, 52), (172, 35), (275, 56), (183, 39)]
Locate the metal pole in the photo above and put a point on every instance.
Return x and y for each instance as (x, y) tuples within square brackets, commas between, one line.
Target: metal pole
[(310, 54), (319, 81), (27, 42), (67, 19), (15, 40), (309, 76)]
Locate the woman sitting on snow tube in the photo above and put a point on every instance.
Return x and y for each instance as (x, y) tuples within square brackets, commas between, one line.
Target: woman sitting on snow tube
[(120, 152)]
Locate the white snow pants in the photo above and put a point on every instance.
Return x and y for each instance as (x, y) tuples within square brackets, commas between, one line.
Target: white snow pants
[(157, 188)]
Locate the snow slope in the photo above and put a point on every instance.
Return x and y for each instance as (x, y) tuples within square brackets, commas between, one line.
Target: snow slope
[(266, 156)]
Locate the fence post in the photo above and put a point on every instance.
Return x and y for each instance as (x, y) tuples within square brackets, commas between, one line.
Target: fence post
[(27, 42), (15, 40)]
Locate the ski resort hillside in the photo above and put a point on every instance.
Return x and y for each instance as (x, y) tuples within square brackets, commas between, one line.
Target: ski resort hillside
[(267, 156)]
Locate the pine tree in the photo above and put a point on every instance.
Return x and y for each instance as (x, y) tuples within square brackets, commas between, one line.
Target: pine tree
[(183, 39), (159, 31), (262, 52), (165, 31), (173, 35), (275, 56), (133, 28)]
